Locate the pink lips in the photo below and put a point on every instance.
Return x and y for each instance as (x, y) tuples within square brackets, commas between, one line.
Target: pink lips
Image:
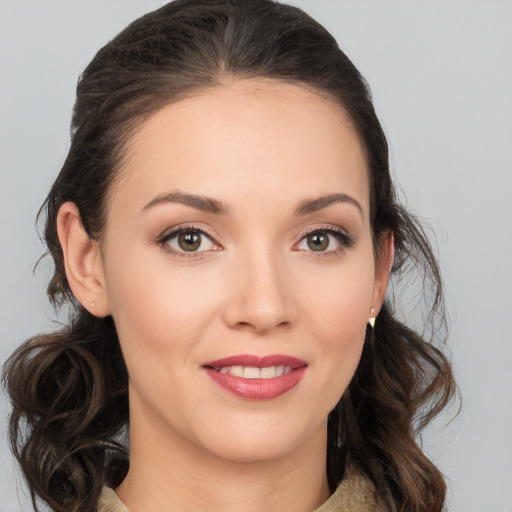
[(256, 388)]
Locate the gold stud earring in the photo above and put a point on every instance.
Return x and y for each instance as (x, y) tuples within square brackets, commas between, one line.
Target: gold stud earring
[(371, 320)]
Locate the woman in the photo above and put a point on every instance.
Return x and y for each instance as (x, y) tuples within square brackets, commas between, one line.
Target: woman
[(224, 228)]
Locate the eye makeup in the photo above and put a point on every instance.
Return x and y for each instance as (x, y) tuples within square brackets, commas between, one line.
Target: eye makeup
[(192, 238), (192, 242)]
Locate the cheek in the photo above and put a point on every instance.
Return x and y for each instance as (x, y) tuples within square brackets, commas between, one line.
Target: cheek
[(162, 312), (339, 300), (337, 319), (159, 318), (152, 305)]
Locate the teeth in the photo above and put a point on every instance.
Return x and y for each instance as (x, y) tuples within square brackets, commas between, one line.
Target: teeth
[(250, 372), (237, 371), (268, 373)]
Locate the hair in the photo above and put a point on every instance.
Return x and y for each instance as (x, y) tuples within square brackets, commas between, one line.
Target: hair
[(69, 389)]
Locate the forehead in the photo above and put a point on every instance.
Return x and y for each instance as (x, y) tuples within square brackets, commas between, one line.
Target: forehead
[(264, 139)]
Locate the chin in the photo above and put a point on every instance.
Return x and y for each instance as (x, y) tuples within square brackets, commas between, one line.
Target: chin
[(258, 441), (253, 451)]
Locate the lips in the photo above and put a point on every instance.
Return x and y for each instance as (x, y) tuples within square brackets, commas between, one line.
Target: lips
[(254, 377)]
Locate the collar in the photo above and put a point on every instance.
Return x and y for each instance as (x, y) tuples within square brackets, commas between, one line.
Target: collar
[(355, 493)]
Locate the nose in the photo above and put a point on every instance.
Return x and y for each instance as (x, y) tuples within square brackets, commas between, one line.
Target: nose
[(261, 294)]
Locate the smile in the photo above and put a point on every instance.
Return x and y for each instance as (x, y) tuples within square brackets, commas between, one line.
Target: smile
[(256, 378), (251, 372)]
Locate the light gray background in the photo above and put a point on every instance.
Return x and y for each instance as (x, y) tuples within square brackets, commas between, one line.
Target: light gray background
[(441, 74)]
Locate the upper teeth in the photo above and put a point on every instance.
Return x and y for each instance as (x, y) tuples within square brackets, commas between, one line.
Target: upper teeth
[(250, 372)]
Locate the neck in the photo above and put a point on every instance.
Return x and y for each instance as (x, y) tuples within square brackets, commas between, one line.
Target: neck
[(168, 472)]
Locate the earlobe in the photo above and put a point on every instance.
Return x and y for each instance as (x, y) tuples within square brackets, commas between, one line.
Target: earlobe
[(386, 254), (82, 262)]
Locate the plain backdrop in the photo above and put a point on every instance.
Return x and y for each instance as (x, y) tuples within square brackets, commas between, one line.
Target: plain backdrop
[(441, 76)]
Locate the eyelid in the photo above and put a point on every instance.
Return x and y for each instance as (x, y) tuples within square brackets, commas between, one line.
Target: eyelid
[(173, 232), (343, 237), (323, 227)]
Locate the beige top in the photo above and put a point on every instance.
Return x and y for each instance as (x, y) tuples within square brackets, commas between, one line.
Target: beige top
[(355, 494)]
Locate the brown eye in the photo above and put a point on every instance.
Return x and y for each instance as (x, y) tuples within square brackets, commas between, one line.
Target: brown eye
[(318, 241), (189, 241), (325, 240)]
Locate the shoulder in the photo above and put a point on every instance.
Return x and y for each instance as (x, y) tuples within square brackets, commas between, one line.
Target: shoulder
[(109, 502), (355, 493)]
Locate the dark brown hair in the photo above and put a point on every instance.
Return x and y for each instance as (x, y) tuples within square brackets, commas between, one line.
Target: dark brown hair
[(69, 388)]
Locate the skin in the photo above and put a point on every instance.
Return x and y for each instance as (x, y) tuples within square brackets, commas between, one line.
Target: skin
[(256, 287)]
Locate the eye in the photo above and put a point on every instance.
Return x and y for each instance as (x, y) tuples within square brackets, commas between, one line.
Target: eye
[(325, 240), (187, 241)]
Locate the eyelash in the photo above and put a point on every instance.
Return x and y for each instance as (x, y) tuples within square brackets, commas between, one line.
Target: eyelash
[(346, 241), (163, 242)]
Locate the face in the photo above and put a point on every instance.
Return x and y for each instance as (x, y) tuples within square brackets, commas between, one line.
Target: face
[(238, 248)]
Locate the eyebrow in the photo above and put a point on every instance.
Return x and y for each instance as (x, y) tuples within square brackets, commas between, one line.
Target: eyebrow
[(313, 205), (217, 207), (206, 204)]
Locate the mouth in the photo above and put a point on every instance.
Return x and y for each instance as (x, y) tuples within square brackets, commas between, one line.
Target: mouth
[(254, 377), (251, 372)]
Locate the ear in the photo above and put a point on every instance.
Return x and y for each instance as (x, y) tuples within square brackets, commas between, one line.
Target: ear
[(82, 262), (384, 262)]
